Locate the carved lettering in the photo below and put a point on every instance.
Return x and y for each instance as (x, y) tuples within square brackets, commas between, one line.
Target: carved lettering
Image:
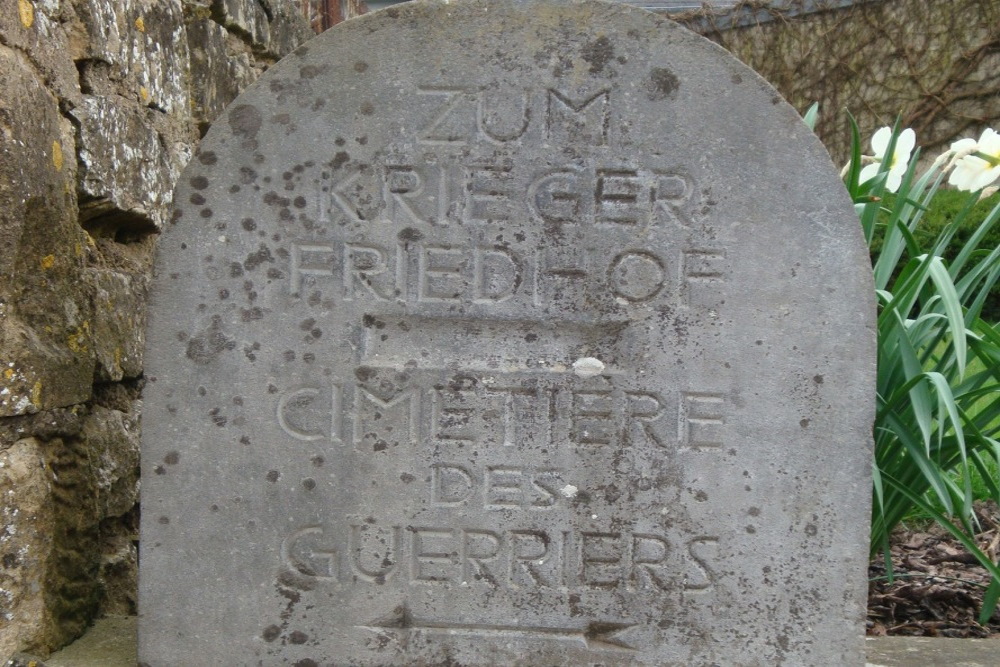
[(585, 121), (510, 410), (702, 419), (516, 558)]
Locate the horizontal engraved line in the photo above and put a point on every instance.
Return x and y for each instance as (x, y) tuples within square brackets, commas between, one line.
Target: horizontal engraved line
[(599, 635)]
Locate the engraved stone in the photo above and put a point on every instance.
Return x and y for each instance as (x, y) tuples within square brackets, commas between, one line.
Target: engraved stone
[(508, 333)]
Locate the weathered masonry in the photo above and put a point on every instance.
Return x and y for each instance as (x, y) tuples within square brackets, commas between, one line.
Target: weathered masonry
[(507, 333)]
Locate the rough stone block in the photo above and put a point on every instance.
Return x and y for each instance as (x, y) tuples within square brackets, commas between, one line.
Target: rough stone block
[(119, 318), (144, 42), (111, 439), (41, 31), (27, 526), (218, 72), (289, 29), (246, 17), (126, 174), (46, 353)]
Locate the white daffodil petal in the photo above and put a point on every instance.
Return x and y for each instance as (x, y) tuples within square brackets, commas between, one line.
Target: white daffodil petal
[(985, 178), (868, 173), (880, 141), (989, 142), (964, 145), (905, 143), (894, 179)]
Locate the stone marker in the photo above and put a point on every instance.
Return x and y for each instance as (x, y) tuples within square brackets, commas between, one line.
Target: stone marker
[(508, 333)]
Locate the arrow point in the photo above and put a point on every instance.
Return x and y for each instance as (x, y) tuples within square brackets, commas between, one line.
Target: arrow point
[(398, 618), (601, 635)]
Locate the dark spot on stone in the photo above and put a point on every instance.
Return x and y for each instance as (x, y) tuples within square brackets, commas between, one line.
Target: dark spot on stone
[(244, 440), (750, 530), (339, 141), (206, 213), (288, 355), (360, 66), (701, 496), (251, 314), (275, 274), (410, 235), (754, 511), (317, 461), (245, 121), (197, 199), (380, 446), (811, 530), (258, 257), (309, 484), (208, 157), (307, 324), (736, 78), (306, 662), (300, 202), (340, 159), (598, 53), (235, 270), (367, 108), (662, 84), (531, 338), (776, 99), (406, 478), (163, 520), (199, 182), (271, 633), (247, 175), (804, 423), (818, 379), (362, 140), (202, 391), (297, 637), (208, 344), (160, 470), (310, 71), (758, 342), (308, 357), (172, 458), (249, 224)]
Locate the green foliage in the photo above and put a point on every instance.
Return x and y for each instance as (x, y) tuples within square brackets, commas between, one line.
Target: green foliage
[(948, 205), (938, 385)]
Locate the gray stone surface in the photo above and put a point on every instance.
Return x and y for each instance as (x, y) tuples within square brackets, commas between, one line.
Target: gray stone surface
[(508, 333), (111, 643)]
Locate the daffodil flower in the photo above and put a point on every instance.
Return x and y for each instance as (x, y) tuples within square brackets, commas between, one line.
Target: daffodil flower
[(897, 164), (979, 164)]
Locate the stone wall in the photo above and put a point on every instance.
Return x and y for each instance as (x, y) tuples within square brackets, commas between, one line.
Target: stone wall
[(935, 63), (101, 105)]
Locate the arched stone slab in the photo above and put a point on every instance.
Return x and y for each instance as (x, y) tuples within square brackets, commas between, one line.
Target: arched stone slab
[(508, 333)]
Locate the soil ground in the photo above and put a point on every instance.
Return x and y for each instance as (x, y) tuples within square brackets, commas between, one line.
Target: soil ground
[(938, 587)]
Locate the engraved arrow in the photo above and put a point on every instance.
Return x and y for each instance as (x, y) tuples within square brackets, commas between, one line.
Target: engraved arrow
[(597, 635)]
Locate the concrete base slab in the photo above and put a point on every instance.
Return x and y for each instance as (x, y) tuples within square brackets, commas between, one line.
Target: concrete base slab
[(932, 652), (111, 643)]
